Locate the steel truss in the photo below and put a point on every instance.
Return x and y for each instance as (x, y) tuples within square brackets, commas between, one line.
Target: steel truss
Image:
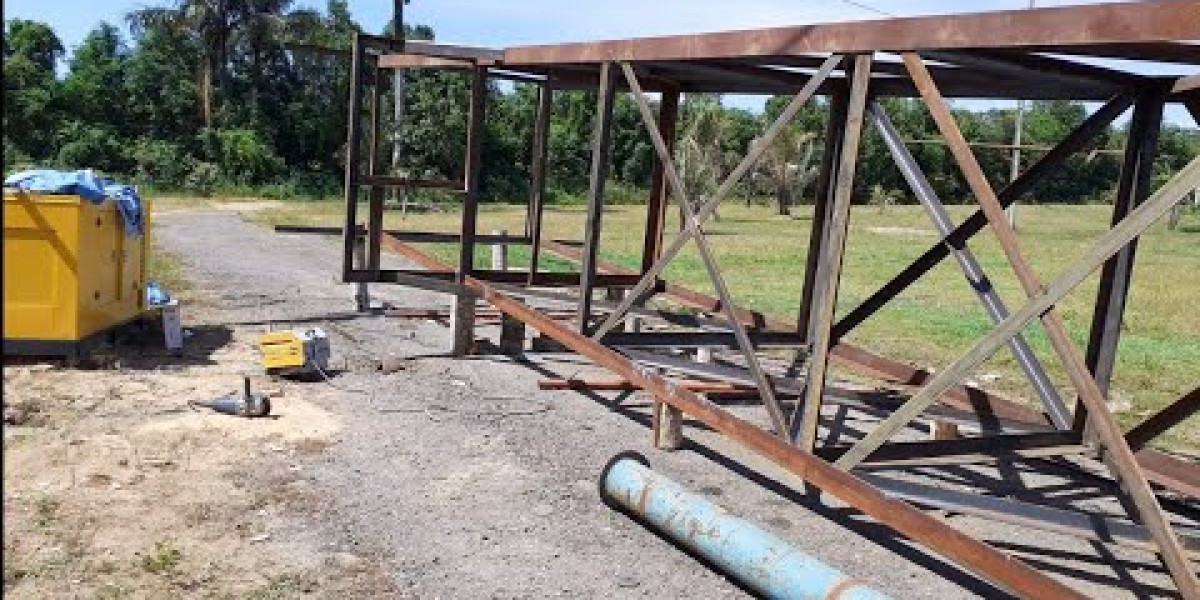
[(1026, 54)]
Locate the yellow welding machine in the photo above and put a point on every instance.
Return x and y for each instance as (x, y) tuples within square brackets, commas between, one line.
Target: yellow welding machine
[(294, 351)]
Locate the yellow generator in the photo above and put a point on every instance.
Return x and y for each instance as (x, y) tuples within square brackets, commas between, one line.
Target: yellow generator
[(71, 275), (295, 352)]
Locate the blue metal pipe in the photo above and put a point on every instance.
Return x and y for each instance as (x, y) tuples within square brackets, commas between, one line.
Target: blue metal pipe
[(740, 548)]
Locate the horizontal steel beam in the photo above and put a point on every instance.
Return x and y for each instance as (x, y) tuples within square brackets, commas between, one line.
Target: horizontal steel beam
[(968, 450), (419, 237), (1131, 22), (1045, 518)]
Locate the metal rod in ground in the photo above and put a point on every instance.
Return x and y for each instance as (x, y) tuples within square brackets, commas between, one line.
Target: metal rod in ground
[(738, 547)]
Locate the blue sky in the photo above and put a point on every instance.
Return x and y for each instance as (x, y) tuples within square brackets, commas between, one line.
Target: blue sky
[(500, 23)]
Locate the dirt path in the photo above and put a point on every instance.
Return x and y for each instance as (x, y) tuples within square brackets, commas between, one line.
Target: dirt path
[(448, 478)]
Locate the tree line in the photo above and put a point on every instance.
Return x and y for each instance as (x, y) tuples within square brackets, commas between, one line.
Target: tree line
[(231, 97)]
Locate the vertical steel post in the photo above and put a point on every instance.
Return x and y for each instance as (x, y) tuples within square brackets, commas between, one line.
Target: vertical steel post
[(835, 128), (656, 208), (353, 141), (601, 136), (829, 270), (537, 184), (374, 191), (1133, 187), (978, 280), (464, 304)]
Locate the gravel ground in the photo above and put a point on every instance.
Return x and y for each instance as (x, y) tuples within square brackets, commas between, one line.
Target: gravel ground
[(464, 480)]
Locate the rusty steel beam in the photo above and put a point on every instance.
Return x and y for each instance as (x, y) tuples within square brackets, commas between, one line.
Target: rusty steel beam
[(1134, 186), (693, 221), (1005, 570), (1159, 422), (537, 183), (967, 398), (656, 207), (829, 267), (1072, 143), (1124, 23), (598, 176), (710, 205), (1042, 300)]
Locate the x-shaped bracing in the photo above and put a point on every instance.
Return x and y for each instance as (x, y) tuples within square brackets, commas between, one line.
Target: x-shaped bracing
[(696, 218), (1041, 305)]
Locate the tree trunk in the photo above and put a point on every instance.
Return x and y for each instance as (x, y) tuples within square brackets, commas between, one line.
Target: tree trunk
[(206, 85), (782, 200)]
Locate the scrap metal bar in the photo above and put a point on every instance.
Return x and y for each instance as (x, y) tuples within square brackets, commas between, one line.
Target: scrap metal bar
[(755, 152), (829, 270), (703, 339), (1133, 187), (1159, 422), (1060, 415), (537, 184), (1042, 302), (1086, 132), (1003, 569), (601, 144), (706, 254)]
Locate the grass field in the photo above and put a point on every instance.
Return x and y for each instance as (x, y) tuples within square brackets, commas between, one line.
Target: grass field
[(762, 256)]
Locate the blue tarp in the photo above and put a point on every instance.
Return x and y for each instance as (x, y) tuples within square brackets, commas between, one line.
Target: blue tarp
[(87, 184)]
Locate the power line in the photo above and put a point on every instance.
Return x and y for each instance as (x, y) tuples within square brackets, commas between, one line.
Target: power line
[(868, 7)]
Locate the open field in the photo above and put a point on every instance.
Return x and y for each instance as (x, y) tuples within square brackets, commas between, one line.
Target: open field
[(936, 319)]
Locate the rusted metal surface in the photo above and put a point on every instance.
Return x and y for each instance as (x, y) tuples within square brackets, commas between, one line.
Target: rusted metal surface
[(1124, 23), (1161, 421), (1002, 569), (1029, 54), (1117, 451)]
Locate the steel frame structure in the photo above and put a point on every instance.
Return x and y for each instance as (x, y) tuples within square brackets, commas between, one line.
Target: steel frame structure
[(1035, 54)]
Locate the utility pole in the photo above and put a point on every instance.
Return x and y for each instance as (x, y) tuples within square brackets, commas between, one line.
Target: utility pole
[(1015, 169), (398, 94)]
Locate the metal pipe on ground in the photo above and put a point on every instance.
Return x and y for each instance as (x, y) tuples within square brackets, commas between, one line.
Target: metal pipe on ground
[(755, 557)]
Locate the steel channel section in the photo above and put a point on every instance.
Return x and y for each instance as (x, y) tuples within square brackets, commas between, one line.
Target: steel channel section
[(834, 130), (829, 269), (1060, 415), (1116, 452), (1004, 570), (1134, 186), (1044, 518), (1159, 422), (756, 557), (471, 169), (375, 192), (601, 143), (537, 184), (656, 208), (353, 141)]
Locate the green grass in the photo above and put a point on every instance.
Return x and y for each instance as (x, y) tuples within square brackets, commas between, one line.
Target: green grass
[(934, 321)]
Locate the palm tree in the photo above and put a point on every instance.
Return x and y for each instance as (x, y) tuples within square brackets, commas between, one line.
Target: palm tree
[(209, 24), (787, 166), (699, 152)]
